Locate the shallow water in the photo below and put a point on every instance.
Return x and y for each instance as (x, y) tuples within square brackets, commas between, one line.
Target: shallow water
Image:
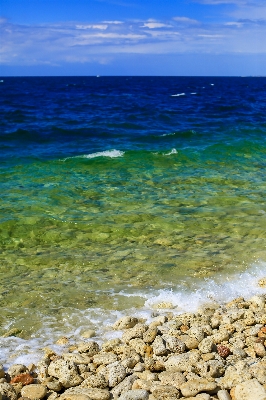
[(115, 188)]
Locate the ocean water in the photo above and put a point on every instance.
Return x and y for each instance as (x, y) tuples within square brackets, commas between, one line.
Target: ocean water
[(118, 193)]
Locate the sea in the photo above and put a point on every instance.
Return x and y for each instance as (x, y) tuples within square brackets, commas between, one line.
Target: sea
[(126, 196)]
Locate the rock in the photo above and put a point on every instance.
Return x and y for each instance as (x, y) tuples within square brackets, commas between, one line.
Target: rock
[(179, 363), (197, 333), (125, 323), (66, 372), (223, 351), (104, 358), (54, 385), (250, 390), (195, 386), (34, 392), (159, 346), (98, 381), (260, 349), (73, 396), (124, 386), (137, 394), (262, 282), (90, 393), (133, 333), (7, 391), (166, 392), (150, 334), (90, 348), (88, 334), (221, 336), (206, 345), (17, 369), (2, 371), (223, 395), (173, 344), (62, 341), (116, 373), (77, 358), (25, 379), (172, 378), (111, 345)]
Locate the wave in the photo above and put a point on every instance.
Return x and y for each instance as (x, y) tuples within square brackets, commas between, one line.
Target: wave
[(188, 297), (106, 153)]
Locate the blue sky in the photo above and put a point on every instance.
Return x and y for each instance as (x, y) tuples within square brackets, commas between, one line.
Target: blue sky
[(133, 37)]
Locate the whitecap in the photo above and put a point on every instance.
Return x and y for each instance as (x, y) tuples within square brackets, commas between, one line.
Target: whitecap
[(173, 151), (178, 94), (193, 93), (107, 153)]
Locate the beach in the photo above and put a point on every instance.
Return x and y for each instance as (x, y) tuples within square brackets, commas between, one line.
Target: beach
[(217, 352)]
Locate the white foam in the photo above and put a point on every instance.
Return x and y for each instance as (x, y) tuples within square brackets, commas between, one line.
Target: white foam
[(194, 93), (173, 151), (188, 296), (178, 94), (106, 153)]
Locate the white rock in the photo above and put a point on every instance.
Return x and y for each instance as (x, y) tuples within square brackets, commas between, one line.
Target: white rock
[(137, 394), (250, 390)]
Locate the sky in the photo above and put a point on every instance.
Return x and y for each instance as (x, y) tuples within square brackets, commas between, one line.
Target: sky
[(133, 37)]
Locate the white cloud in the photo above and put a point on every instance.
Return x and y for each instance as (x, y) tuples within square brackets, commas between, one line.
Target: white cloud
[(100, 41), (153, 25), (185, 20), (97, 26)]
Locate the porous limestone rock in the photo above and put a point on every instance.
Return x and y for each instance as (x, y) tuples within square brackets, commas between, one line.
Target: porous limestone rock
[(250, 390), (116, 373), (66, 372), (17, 369), (125, 323), (137, 394), (90, 348), (7, 391), (195, 386)]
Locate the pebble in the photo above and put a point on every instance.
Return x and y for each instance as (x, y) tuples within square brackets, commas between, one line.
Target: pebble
[(34, 392), (217, 353)]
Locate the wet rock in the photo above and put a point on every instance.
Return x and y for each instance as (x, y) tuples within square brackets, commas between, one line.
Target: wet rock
[(125, 323), (34, 392)]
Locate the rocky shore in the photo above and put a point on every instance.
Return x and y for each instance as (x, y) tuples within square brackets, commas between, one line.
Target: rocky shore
[(219, 352)]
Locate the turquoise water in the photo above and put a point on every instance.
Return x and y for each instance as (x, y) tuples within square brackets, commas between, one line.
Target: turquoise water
[(106, 200)]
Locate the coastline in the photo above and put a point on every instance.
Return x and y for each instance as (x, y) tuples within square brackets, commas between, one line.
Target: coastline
[(216, 352)]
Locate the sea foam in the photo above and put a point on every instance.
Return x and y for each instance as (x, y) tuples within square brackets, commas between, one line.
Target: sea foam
[(187, 297)]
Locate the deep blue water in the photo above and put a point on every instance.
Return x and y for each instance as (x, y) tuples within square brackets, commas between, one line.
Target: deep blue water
[(53, 117)]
